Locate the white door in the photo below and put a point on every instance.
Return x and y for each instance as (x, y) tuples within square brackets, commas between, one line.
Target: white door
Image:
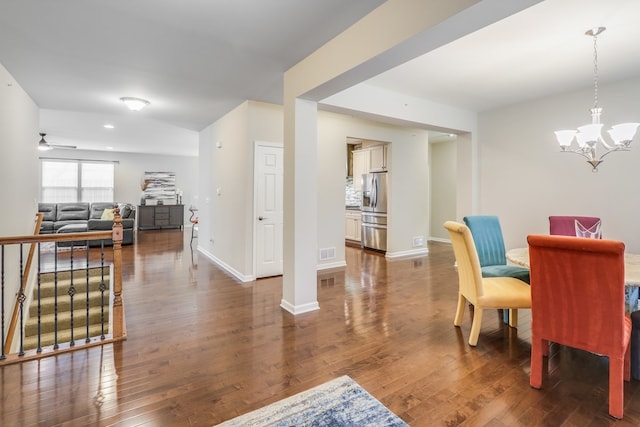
[(268, 216)]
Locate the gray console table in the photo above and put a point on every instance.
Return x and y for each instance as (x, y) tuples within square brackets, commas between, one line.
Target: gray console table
[(153, 217)]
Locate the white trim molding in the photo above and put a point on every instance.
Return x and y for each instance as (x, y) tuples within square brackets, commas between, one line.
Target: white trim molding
[(304, 308), (407, 254), (225, 267)]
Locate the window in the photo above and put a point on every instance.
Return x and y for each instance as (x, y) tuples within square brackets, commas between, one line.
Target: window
[(77, 181)]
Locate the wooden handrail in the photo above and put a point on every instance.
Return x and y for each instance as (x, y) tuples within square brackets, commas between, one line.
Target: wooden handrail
[(32, 250), (65, 237), (25, 277)]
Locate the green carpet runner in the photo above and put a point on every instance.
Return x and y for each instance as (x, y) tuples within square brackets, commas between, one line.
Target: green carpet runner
[(47, 307)]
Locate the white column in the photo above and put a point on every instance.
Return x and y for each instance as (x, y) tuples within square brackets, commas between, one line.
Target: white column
[(300, 235)]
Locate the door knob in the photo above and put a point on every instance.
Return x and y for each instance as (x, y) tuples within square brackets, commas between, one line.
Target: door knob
[(260, 218)]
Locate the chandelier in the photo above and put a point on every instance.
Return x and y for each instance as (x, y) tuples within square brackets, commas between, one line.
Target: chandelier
[(588, 136)]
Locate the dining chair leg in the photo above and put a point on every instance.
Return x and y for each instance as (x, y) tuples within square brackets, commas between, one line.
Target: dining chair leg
[(513, 317), (537, 352), (616, 387), (462, 301), (475, 326)]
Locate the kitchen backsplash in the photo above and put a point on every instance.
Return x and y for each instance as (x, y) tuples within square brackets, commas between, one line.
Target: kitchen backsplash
[(352, 197)]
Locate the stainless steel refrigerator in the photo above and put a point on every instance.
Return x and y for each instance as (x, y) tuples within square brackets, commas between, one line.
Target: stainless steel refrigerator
[(374, 210)]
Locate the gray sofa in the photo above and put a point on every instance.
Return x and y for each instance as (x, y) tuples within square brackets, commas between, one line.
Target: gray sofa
[(86, 217)]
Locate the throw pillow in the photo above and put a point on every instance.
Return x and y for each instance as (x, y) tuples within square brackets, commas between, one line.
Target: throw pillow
[(592, 232), (107, 214), (125, 211)]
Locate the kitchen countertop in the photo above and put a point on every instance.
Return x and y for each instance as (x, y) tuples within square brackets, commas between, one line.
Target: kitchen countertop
[(352, 208)]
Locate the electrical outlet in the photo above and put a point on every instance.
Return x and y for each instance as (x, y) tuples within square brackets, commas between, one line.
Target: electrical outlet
[(418, 241)]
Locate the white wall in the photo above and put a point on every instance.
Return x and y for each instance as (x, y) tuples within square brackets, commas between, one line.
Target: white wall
[(130, 169), (524, 177), (227, 219), (408, 209), (410, 111), (443, 187), (18, 172), (18, 163)]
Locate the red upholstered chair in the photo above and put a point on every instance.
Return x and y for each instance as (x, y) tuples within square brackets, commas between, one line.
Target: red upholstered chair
[(577, 300), (566, 225)]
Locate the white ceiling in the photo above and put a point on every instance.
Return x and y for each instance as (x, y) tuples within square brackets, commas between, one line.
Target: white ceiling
[(537, 52), (195, 60)]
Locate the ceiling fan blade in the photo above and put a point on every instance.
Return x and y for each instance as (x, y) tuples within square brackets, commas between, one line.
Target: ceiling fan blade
[(44, 145), (64, 147)]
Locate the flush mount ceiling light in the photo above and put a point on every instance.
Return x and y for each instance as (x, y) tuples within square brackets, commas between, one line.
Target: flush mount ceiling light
[(588, 136), (134, 104)]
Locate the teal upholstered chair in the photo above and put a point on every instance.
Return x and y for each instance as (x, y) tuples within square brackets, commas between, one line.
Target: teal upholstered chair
[(487, 235)]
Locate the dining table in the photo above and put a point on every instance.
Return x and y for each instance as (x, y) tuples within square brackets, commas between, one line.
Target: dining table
[(520, 256)]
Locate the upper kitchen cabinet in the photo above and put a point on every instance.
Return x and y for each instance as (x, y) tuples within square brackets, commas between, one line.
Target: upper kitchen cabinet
[(361, 160), (378, 158), (364, 156)]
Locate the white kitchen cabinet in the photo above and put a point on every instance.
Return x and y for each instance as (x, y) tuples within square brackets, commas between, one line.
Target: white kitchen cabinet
[(360, 166), (352, 225), (378, 158), (370, 159)]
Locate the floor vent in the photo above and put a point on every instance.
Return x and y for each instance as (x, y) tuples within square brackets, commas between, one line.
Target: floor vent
[(327, 253), (328, 282)]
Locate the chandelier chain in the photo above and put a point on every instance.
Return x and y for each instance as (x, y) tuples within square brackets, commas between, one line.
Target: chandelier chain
[(595, 71)]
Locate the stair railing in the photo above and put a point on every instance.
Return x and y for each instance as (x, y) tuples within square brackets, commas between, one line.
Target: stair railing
[(23, 283), (117, 326)]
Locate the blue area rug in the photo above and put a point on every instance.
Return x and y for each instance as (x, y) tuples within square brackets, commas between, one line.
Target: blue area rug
[(340, 402)]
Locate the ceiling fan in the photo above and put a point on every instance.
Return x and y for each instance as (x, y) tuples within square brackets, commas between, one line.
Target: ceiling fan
[(44, 145)]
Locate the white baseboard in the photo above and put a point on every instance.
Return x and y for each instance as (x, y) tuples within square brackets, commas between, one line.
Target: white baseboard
[(303, 308), (438, 239), (331, 266), (225, 267), (407, 254)]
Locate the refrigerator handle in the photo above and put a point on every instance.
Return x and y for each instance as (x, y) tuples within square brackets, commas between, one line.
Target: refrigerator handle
[(374, 191)]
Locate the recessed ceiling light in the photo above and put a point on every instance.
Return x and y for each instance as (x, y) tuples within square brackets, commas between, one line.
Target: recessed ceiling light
[(134, 104), (109, 148), (107, 126)]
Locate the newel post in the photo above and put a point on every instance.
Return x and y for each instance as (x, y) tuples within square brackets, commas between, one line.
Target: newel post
[(119, 329)]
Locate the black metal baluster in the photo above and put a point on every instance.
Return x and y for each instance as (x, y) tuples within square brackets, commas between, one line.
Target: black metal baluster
[(55, 297), (102, 288), (21, 298), (87, 339), (72, 292), (2, 355), (39, 350)]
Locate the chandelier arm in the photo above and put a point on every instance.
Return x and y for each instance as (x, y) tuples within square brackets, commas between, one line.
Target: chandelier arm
[(613, 150), (607, 146), (581, 153)]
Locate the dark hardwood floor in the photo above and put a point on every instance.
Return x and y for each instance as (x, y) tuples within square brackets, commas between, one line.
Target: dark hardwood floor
[(203, 348)]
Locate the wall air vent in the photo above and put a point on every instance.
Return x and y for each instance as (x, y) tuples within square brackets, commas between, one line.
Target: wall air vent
[(327, 253)]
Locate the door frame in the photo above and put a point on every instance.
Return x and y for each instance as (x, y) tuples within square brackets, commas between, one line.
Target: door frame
[(256, 144)]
